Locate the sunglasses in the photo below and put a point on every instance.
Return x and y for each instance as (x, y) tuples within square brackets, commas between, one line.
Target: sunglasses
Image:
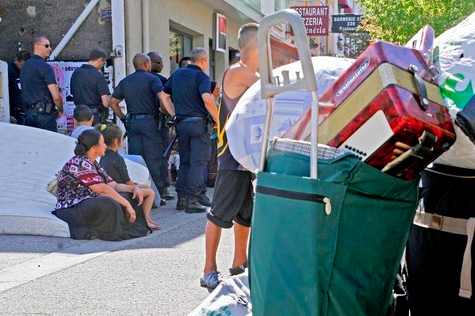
[(45, 45)]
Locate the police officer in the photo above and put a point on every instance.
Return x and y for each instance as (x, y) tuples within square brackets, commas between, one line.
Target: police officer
[(192, 104), (157, 66), (17, 110), (89, 87), (39, 91), (140, 91)]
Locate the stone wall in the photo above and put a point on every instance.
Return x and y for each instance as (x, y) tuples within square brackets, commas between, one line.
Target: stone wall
[(21, 20)]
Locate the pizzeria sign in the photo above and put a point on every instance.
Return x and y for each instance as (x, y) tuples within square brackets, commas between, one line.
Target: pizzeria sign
[(315, 18)]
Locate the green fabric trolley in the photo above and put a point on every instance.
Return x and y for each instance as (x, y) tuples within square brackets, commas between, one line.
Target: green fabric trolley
[(326, 243)]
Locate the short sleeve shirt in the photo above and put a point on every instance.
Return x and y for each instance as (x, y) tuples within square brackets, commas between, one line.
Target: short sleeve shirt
[(186, 86), (114, 165), (74, 181), (163, 79), (35, 76), (139, 90), (88, 85)]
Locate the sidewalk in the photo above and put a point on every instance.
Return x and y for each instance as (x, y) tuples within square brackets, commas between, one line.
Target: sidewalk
[(154, 275)]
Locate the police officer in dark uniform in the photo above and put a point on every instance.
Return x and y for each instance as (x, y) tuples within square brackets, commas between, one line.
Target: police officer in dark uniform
[(89, 87), (192, 105), (157, 66), (140, 91), (39, 91), (17, 110)]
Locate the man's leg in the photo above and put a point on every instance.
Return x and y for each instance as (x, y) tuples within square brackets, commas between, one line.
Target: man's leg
[(181, 183), (201, 152), (213, 236), (241, 237), (242, 223), (199, 156), (165, 135), (134, 137), (47, 122), (97, 118), (32, 118), (152, 148)]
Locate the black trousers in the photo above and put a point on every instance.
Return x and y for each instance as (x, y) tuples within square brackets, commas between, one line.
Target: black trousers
[(434, 259)]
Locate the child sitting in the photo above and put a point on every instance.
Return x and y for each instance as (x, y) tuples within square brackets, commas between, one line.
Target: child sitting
[(114, 165), (83, 118)]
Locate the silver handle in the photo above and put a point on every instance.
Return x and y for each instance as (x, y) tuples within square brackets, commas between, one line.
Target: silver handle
[(268, 86)]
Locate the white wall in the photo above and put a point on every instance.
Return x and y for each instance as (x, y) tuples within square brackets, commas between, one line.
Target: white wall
[(4, 99), (188, 16)]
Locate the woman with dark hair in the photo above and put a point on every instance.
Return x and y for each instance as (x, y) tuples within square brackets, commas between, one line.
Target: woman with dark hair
[(89, 200)]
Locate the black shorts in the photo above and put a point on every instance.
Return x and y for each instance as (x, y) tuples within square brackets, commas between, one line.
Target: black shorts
[(232, 199)]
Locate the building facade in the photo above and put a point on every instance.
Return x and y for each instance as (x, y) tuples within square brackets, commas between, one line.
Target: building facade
[(171, 27)]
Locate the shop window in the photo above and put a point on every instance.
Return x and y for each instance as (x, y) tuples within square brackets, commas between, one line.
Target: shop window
[(180, 46)]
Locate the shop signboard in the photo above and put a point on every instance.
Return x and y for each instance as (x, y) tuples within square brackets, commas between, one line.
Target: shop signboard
[(345, 23), (220, 37), (315, 18)]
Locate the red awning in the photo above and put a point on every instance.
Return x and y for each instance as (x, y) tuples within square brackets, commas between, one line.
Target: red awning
[(348, 10), (343, 3)]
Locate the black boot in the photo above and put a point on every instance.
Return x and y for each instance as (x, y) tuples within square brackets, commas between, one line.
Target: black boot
[(164, 194), (193, 206), (203, 200), (181, 203)]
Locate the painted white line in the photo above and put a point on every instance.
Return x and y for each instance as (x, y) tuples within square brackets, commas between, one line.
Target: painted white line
[(25, 272)]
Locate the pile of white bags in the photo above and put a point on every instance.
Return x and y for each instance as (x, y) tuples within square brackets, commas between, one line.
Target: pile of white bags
[(457, 82), (245, 125)]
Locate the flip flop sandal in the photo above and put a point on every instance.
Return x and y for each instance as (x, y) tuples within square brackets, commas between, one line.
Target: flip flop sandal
[(239, 269)]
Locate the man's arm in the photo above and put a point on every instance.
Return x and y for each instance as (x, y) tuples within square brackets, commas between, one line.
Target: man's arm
[(166, 101), (57, 99), (210, 105), (114, 104), (238, 80), (105, 100)]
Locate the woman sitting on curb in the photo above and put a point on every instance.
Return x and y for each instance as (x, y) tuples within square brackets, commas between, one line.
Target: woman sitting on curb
[(114, 165), (89, 200)]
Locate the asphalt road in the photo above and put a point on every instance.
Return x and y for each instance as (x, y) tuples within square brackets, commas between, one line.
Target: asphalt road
[(154, 275)]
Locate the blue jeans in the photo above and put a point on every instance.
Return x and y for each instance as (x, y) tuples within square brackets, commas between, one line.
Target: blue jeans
[(144, 140), (195, 152), (43, 121)]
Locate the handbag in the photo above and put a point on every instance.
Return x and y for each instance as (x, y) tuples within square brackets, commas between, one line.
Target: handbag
[(52, 186)]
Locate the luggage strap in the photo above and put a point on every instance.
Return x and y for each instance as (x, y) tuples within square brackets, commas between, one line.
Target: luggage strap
[(457, 226)]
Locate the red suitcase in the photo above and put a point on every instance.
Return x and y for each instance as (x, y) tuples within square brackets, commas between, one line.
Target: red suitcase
[(387, 109)]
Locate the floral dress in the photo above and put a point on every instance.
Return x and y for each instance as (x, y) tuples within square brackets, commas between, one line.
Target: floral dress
[(75, 178)]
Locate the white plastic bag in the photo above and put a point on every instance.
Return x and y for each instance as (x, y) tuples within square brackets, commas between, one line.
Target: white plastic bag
[(457, 82), (245, 126), (232, 298)]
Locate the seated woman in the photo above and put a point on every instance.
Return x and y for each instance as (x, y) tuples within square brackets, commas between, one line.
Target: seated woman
[(114, 165), (89, 200)]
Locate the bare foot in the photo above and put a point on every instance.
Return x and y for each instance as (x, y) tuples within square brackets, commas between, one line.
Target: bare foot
[(154, 226)]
